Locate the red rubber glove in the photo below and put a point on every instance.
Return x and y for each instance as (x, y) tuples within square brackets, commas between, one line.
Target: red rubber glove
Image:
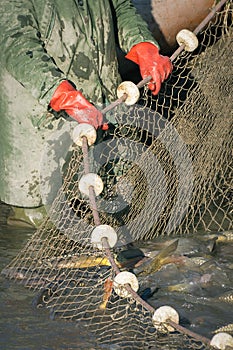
[(151, 63), (67, 98)]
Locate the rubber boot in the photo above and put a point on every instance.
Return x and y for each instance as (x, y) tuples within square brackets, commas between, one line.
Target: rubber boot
[(26, 217), (5, 211)]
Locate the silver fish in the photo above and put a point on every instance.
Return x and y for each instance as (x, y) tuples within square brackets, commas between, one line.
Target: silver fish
[(227, 297), (228, 328)]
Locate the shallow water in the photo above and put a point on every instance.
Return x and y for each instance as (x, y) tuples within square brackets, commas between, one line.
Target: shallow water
[(24, 327), (193, 289)]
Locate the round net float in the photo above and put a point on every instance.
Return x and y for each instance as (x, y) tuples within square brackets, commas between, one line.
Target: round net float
[(162, 315), (86, 130), (103, 231), (188, 39), (88, 180), (222, 341), (123, 278), (132, 91)]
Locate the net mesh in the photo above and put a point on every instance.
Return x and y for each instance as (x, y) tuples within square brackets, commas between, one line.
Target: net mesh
[(166, 165)]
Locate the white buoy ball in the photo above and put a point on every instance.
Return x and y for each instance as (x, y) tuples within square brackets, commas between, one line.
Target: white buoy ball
[(222, 341), (93, 180), (122, 279), (131, 90), (82, 130), (103, 231), (162, 315), (188, 39)]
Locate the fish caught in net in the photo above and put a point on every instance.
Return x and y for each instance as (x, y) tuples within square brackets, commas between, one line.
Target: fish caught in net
[(166, 168)]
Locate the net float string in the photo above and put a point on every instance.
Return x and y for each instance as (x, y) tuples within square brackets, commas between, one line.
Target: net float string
[(146, 80), (92, 196), (107, 250)]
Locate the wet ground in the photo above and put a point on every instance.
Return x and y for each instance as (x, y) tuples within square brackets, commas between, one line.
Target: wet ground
[(192, 290)]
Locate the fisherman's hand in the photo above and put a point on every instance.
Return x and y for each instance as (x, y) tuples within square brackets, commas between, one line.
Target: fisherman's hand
[(151, 63), (67, 98)]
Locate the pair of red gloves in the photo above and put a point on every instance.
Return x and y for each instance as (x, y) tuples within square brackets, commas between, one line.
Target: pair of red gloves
[(150, 62)]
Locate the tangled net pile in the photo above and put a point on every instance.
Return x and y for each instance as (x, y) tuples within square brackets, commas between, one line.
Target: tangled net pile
[(166, 169)]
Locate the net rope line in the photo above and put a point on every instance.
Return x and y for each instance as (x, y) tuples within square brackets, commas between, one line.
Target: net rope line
[(146, 80), (61, 260), (110, 257), (93, 204)]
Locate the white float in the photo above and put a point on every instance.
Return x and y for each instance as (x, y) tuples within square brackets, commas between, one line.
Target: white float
[(131, 90), (188, 39), (82, 130), (103, 231), (222, 341), (162, 315), (89, 180), (122, 279)]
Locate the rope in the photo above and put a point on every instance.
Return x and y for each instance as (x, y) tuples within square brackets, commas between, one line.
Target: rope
[(111, 259), (92, 196), (146, 80)]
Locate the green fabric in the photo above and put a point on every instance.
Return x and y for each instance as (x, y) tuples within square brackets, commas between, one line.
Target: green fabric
[(42, 43)]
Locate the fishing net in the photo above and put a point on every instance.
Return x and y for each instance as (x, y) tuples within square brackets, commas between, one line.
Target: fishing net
[(166, 166)]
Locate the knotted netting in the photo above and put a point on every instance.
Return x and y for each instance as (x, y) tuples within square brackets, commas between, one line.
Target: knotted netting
[(166, 166)]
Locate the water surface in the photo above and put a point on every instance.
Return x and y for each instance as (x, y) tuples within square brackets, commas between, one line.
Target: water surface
[(25, 327)]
